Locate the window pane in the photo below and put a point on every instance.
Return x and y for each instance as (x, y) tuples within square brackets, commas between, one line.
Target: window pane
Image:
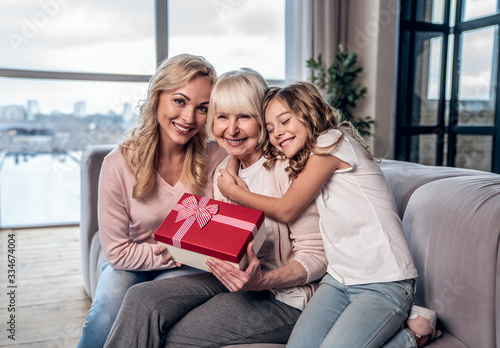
[(476, 92), (39, 189), (474, 9), (231, 34), (113, 36), (438, 11), (427, 75), (474, 152), (431, 11), (453, 12), (43, 130), (449, 66), (423, 149), (435, 56)]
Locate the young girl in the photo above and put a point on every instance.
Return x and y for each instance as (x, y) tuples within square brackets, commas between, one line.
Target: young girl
[(366, 295)]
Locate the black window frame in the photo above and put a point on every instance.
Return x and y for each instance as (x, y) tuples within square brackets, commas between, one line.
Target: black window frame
[(409, 26)]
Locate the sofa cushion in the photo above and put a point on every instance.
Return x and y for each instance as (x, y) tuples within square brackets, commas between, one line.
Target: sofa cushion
[(447, 341)]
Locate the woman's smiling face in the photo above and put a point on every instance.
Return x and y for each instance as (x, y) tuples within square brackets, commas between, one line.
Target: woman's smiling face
[(182, 112), (239, 135)]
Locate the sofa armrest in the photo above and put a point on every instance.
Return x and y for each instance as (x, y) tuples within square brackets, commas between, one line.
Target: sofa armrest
[(452, 226), (90, 169)]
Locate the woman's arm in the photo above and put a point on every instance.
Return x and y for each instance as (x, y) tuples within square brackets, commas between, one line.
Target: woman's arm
[(118, 246), (301, 193), (253, 278)]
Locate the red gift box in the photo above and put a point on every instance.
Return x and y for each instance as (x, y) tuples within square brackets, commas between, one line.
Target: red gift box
[(199, 228)]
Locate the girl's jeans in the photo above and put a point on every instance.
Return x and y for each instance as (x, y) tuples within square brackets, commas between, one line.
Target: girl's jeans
[(367, 315), (111, 290)]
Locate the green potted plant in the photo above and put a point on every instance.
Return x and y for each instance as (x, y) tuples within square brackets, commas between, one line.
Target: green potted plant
[(339, 83)]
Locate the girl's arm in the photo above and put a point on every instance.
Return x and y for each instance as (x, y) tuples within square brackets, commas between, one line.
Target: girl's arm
[(232, 168), (301, 193), (304, 262)]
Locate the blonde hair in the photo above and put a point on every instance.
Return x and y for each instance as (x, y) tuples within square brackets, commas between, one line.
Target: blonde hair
[(141, 143), (238, 92), (307, 104)]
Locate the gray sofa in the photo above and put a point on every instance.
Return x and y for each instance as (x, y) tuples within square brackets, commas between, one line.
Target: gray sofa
[(451, 219)]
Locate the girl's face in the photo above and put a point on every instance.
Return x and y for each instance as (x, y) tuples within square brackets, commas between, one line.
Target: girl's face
[(239, 135), (182, 112), (286, 133)]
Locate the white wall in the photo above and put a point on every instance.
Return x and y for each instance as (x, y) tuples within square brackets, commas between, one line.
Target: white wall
[(371, 32)]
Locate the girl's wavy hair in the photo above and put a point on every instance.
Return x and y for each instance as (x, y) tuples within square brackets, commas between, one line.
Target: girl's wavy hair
[(140, 147), (238, 92), (307, 104)]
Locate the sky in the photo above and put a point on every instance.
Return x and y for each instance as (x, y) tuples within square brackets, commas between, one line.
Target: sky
[(477, 52), (117, 36)]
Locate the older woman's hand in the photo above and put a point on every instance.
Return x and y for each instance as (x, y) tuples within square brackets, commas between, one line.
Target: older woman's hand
[(252, 279)]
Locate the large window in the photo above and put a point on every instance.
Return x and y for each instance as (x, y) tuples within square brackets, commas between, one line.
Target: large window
[(73, 73), (448, 109), (231, 34)]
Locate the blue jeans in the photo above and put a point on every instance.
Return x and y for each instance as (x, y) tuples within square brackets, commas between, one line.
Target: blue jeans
[(367, 315), (111, 290)]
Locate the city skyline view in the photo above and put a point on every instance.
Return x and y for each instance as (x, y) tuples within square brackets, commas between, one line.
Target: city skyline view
[(54, 35)]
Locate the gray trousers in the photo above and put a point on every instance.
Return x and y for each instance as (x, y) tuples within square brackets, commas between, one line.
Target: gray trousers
[(199, 311)]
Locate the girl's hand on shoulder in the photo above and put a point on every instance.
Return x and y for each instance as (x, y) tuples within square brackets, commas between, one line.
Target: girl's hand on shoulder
[(252, 279), (227, 182), (232, 166)]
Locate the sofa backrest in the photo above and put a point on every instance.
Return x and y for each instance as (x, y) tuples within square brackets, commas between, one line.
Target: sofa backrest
[(451, 220), (90, 166)]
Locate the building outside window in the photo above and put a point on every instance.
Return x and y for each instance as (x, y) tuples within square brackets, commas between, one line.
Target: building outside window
[(73, 74)]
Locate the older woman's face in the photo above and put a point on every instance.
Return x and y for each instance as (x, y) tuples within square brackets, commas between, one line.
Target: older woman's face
[(239, 135)]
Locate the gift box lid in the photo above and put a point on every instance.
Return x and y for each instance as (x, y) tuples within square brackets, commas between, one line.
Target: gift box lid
[(217, 229)]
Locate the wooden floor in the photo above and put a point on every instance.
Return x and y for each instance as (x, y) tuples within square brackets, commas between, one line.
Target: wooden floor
[(49, 300)]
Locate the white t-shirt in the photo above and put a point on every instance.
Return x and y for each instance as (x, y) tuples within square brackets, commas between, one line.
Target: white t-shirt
[(252, 176), (361, 229)]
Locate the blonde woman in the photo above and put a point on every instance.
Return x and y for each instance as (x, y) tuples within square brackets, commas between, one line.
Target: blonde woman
[(163, 156)]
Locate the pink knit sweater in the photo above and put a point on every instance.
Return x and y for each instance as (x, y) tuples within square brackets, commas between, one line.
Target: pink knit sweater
[(126, 224)]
